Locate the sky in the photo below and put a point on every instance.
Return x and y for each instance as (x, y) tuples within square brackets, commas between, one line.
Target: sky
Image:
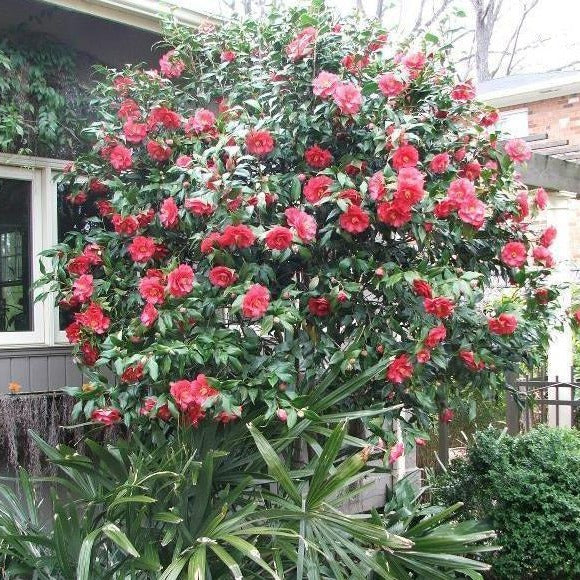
[(550, 33)]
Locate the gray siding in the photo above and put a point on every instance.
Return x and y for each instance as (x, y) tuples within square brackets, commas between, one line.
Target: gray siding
[(39, 369)]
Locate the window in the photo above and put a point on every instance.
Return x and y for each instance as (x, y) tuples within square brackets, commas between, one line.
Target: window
[(514, 123)]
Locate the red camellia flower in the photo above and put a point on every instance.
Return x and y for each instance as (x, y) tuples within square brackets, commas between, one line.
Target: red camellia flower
[(107, 416), (471, 170), (414, 60), (400, 369), (348, 98), (240, 236), (169, 213), (90, 354), (317, 157), (543, 256), (354, 220), (319, 306), (444, 208), (548, 236), (94, 319), (435, 336), (199, 207), (211, 242), (180, 281), (355, 63), (279, 238), (397, 451), (394, 214), (514, 254), (149, 314), (523, 205), (541, 198), (148, 405), (196, 393), (463, 92), (577, 316), (152, 290), (73, 332), (489, 119), (468, 358), (423, 356), (203, 120), (93, 253), (518, 150), (422, 288), (324, 84), (227, 56), (302, 44), (447, 415), (390, 86), (79, 265), (83, 287), (194, 415), (439, 163), (128, 109), (255, 302), (126, 226), (503, 324), (316, 188), (441, 307), (158, 151), (302, 223), (163, 116), (405, 156), (170, 65), (409, 186), (132, 374), (120, 158), (134, 132), (142, 249), (377, 188), (222, 277), (259, 143)]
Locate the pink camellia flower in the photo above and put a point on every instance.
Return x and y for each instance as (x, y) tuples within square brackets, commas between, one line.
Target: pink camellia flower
[(348, 98), (435, 336), (414, 60), (523, 206), (472, 211), (441, 307), (423, 356), (447, 415), (93, 253), (142, 249), (316, 188), (439, 163), (159, 152), (471, 170), (514, 254), (319, 306), (503, 324), (420, 441), (107, 416), (120, 158), (324, 84), (317, 157), (400, 369), (94, 319), (548, 236), (354, 220), (148, 405), (227, 56), (405, 156), (543, 256), (397, 451), (278, 238), (189, 394), (460, 190), (240, 236), (134, 132), (122, 84), (83, 287), (203, 120), (355, 63), (302, 44), (210, 243), (577, 316), (389, 85), (377, 187), (152, 290), (282, 415), (169, 213), (222, 276), (199, 207), (259, 143), (303, 224), (394, 213), (541, 198), (255, 302), (518, 150), (129, 109), (180, 281), (171, 66), (463, 92), (149, 315), (489, 119), (183, 161), (409, 186)]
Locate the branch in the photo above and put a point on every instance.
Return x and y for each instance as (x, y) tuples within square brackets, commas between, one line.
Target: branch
[(515, 47)]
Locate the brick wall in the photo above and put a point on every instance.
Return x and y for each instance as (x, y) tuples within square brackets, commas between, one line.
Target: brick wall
[(558, 117)]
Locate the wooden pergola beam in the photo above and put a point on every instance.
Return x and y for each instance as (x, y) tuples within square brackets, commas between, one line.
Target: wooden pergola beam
[(536, 137), (551, 173), (535, 145), (558, 150)]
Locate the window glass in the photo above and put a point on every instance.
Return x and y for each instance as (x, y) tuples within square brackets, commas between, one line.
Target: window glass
[(15, 259), (514, 123)]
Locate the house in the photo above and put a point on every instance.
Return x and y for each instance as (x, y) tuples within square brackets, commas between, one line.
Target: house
[(34, 352)]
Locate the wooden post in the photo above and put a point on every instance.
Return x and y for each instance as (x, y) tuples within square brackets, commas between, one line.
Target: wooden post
[(512, 409), (443, 442)]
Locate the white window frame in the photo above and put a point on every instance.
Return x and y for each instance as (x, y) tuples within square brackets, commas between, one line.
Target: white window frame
[(40, 172)]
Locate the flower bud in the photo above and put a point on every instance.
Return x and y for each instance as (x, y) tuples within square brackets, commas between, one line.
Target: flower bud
[(282, 415)]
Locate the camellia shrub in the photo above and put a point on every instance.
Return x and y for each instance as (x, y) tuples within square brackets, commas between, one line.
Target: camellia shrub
[(288, 204)]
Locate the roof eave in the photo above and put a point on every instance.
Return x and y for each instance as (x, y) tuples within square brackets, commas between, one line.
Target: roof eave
[(511, 97)]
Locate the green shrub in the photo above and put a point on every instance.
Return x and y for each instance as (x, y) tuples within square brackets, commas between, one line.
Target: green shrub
[(526, 487)]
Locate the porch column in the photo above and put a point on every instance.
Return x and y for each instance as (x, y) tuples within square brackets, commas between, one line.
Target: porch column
[(560, 352)]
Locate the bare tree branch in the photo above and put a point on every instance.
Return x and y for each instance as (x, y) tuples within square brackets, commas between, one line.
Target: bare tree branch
[(526, 11)]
